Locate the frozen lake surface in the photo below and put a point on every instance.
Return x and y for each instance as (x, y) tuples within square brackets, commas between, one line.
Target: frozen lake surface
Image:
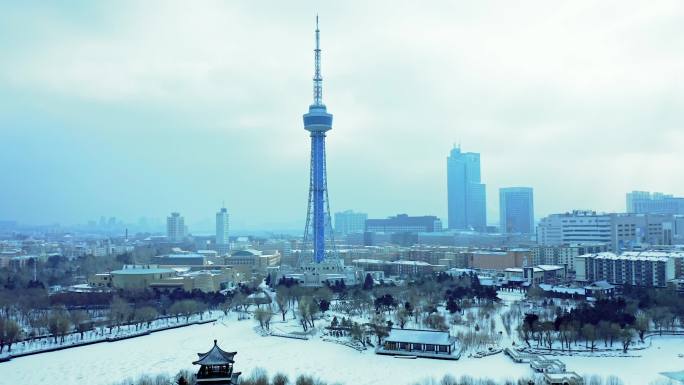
[(170, 351)]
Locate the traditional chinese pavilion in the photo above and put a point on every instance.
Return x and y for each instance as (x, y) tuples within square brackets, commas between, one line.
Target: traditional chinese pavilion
[(216, 367)]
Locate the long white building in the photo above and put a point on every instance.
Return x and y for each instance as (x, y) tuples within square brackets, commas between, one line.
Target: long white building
[(620, 231)]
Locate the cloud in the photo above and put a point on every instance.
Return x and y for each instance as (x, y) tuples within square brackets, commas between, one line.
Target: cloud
[(172, 106)]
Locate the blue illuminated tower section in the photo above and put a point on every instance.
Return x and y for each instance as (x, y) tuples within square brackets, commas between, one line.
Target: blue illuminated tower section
[(317, 121)]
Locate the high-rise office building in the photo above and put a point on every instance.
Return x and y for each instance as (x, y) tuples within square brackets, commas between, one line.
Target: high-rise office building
[(222, 227), (516, 210), (465, 192), (175, 228), (644, 202), (348, 221)]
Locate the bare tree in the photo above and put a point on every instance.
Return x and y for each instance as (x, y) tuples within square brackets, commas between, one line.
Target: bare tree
[(641, 324), (283, 297), (81, 321), (379, 327), (119, 311), (145, 315), (11, 333), (402, 316), (590, 335), (264, 316), (626, 337)]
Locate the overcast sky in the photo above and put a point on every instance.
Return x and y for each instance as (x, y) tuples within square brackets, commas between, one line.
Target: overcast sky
[(133, 109)]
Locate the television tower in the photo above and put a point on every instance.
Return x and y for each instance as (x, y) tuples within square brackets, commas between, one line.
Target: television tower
[(318, 121)]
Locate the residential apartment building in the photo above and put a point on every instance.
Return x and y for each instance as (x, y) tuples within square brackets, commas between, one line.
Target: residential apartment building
[(636, 269), (564, 255), (175, 228)]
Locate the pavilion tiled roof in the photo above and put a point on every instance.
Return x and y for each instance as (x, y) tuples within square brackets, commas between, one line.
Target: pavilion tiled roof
[(215, 356)]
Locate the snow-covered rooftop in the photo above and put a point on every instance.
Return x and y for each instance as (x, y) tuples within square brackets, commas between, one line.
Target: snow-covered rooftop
[(630, 256), (366, 260), (550, 267), (142, 270), (562, 289), (416, 336), (413, 263)]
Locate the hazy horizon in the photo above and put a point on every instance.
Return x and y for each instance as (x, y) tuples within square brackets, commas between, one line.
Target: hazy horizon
[(132, 109)]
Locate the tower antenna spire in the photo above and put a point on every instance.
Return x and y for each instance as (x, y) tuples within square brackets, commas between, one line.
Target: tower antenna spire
[(317, 80)]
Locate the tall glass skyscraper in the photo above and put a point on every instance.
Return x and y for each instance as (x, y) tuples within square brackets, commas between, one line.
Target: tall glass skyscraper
[(222, 231), (516, 210), (467, 203)]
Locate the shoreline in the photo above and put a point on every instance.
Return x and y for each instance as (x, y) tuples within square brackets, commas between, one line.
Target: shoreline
[(10, 357)]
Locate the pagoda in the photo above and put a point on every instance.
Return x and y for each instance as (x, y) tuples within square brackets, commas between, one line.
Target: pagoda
[(216, 367)]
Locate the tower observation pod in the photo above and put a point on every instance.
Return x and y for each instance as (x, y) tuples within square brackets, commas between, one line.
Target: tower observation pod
[(317, 121)]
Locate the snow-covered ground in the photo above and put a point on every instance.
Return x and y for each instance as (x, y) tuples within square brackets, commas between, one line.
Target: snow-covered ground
[(170, 351)]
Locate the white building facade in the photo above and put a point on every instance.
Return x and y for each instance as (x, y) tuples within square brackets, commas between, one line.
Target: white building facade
[(620, 231), (175, 228)]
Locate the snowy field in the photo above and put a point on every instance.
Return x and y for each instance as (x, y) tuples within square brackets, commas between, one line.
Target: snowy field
[(170, 351)]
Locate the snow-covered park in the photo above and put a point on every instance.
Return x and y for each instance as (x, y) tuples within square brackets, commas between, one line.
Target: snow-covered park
[(173, 350)]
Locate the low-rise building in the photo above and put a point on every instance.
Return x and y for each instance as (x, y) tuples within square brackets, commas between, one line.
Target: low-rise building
[(549, 274), (139, 276), (497, 260), (100, 280), (254, 258), (564, 254), (180, 259), (414, 268), (420, 343), (402, 223)]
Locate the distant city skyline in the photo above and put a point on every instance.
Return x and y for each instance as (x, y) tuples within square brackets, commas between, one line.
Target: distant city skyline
[(146, 108)]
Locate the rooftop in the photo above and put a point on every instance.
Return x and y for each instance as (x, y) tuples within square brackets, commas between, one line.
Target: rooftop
[(365, 260), (184, 255), (215, 356), (628, 256), (412, 263), (550, 267), (433, 337), (245, 253), (142, 270)]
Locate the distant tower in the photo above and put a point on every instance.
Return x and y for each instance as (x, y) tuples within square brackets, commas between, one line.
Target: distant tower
[(175, 228), (317, 121), (465, 191), (516, 210), (222, 227)]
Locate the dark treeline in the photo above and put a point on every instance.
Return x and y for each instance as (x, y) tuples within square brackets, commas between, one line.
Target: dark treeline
[(609, 320), (260, 376)]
